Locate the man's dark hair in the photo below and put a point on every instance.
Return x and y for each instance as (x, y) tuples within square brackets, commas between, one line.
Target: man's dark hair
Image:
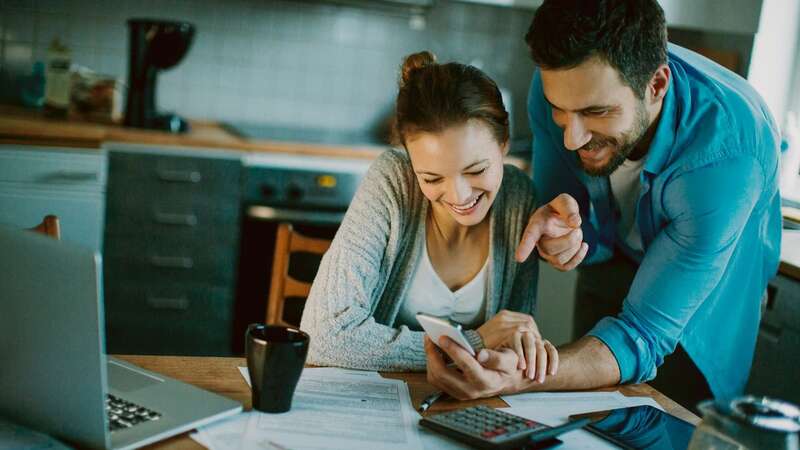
[(630, 35)]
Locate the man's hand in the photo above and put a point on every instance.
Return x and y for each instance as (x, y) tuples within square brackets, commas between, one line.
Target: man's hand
[(555, 229), (518, 331), (492, 373), (585, 364)]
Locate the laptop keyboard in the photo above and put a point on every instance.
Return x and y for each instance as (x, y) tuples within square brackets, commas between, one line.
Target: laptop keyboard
[(123, 414)]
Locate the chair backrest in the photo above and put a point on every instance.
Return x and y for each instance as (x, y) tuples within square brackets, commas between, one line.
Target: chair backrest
[(283, 286), (49, 226)]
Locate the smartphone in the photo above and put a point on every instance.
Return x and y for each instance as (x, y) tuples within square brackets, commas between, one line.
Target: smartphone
[(640, 427), (437, 327)]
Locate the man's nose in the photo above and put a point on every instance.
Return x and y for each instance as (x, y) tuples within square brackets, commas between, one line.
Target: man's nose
[(575, 133)]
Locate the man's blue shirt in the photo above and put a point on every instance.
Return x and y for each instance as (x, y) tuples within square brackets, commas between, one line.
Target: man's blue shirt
[(709, 217)]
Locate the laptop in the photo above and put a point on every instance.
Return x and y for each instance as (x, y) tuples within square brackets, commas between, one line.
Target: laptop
[(54, 374)]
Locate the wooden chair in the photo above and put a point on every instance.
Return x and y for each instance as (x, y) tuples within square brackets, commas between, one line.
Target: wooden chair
[(49, 226), (283, 286)]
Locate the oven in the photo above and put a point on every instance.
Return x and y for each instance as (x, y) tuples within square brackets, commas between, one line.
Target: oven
[(310, 192)]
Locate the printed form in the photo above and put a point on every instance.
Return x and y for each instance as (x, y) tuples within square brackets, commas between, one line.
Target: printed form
[(331, 409)]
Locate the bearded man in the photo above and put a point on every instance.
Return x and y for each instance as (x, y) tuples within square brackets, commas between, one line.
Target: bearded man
[(660, 169)]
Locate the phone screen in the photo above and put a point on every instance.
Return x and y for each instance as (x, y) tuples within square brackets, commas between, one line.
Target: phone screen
[(437, 327), (640, 427)]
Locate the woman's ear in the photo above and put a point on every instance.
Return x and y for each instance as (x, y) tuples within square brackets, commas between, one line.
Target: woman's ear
[(506, 147)]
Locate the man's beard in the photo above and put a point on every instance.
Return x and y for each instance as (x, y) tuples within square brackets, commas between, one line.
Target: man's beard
[(621, 147)]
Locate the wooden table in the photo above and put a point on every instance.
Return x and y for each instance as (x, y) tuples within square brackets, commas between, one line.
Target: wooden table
[(221, 375)]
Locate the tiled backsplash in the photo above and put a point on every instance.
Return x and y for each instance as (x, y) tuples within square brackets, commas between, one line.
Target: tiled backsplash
[(299, 63)]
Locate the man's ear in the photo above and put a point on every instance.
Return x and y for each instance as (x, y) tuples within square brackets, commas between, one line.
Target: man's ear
[(659, 84)]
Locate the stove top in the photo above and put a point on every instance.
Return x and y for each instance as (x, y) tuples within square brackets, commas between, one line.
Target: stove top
[(306, 135)]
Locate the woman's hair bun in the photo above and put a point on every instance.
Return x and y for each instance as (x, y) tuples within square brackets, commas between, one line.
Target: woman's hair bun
[(415, 62)]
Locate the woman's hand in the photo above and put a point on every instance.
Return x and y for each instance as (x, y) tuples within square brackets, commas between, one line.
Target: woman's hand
[(518, 331)]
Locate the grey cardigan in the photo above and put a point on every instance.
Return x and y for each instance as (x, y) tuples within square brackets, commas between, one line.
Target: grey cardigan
[(363, 278)]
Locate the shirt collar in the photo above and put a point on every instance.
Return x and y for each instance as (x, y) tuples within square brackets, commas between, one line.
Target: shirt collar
[(664, 138)]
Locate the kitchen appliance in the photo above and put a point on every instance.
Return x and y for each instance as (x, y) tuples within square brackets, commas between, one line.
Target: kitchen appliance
[(310, 192), (154, 45), (328, 136), (747, 422)]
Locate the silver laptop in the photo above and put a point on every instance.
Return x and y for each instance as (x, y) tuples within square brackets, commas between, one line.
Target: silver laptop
[(54, 373)]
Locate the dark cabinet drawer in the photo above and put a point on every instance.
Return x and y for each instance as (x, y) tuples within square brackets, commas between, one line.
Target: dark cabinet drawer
[(776, 365), (177, 175), (165, 212), (783, 305), (154, 258), (176, 319)]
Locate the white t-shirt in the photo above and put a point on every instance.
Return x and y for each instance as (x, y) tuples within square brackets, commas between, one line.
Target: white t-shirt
[(428, 294), (625, 186)]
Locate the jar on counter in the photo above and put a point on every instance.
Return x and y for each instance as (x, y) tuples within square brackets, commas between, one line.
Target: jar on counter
[(57, 80)]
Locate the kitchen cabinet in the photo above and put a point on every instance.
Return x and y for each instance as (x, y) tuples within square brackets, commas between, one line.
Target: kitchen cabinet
[(69, 183), (171, 244), (732, 16), (776, 367)]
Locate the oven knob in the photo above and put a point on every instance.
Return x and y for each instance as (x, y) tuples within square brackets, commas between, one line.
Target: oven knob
[(294, 193), (267, 190)]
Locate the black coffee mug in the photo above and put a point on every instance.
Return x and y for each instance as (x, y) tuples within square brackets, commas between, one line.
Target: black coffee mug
[(275, 358)]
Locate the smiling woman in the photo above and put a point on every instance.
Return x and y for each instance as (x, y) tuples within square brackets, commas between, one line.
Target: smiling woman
[(432, 230)]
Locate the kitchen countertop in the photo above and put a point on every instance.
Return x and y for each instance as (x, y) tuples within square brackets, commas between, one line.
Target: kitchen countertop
[(29, 127), (790, 254), (24, 126)]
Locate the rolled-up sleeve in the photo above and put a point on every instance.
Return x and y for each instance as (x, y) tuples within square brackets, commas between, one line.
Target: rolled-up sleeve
[(707, 208)]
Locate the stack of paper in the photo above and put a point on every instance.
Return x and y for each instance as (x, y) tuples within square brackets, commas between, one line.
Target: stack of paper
[(332, 408)]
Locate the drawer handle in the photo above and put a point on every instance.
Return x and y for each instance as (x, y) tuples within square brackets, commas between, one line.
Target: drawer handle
[(179, 176), (179, 303), (172, 262), (188, 220), (770, 332)]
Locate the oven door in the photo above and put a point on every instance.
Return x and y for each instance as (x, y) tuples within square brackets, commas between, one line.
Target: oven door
[(259, 229), (312, 194)]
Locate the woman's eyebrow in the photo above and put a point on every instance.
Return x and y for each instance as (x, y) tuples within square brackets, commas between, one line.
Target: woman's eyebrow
[(423, 172)]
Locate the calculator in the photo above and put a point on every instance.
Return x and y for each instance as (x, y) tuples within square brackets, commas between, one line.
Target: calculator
[(484, 427)]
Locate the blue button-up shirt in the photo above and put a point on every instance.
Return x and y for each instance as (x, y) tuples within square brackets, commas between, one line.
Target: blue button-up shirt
[(709, 216)]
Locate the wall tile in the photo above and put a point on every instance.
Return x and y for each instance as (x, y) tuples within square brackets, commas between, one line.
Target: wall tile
[(20, 26), (298, 63), (51, 26), (26, 5)]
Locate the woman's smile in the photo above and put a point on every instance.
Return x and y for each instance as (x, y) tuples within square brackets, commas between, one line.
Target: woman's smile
[(466, 208)]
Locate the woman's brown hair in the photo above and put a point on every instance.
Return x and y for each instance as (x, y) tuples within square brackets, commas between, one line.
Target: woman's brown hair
[(433, 97)]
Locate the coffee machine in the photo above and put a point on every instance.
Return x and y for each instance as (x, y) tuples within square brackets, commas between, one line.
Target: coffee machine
[(154, 45)]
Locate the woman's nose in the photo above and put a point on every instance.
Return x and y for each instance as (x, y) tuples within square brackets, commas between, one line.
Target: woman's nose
[(461, 191)]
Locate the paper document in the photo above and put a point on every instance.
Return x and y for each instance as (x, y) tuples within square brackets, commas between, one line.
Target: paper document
[(555, 408), (223, 435), (322, 370), (332, 408), (340, 411)]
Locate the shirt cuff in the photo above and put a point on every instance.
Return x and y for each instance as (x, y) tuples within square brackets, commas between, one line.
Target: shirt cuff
[(617, 336), (474, 339)]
